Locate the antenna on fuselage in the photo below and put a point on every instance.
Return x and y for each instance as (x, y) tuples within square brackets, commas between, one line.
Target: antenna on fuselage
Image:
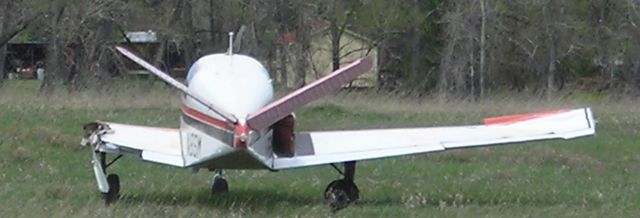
[(230, 52)]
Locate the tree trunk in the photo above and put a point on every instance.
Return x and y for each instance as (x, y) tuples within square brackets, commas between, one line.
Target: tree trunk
[(282, 47), (551, 73), (4, 6), (54, 49), (416, 51), (176, 14), (104, 56), (190, 52), (212, 27), (336, 34), (551, 39), (483, 38), (446, 68), (52, 63), (602, 9), (158, 62), (304, 44), (335, 45), (3, 57), (284, 78)]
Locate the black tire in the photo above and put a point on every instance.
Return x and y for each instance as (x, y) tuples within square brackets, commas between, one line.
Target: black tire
[(219, 186), (340, 193), (114, 189)]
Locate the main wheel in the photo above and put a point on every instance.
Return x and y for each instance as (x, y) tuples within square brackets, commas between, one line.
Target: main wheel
[(340, 193), (114, 189), (219, 186)]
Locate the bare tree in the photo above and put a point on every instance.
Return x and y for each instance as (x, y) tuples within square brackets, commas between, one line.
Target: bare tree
[(54, 46), (303, 42), (457, 68), (459, 48), (261, 28), (284, 15), (178, 11), (340, 15), (11, 29)]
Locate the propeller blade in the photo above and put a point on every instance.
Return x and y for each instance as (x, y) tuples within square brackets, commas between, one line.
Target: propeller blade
[(175, 83)]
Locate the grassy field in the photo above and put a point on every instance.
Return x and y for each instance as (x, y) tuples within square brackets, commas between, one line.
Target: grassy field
[(45, 172)]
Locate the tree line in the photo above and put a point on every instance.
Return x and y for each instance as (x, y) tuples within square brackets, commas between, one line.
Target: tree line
[(456, 48)]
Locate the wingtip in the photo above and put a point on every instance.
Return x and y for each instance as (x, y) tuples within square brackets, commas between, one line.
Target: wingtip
[(367, 58), (366, 61), (509, 119)]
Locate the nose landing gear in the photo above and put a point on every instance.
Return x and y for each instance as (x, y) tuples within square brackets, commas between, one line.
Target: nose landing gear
[(219, 184)]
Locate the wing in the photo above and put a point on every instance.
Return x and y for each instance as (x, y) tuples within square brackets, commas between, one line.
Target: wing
[(159, 145), (316, 148)]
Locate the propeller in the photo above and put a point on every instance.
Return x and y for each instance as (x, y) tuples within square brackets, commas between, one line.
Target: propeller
[(162, 75)]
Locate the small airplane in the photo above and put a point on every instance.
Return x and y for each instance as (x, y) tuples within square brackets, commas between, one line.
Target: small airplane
[(229, 121)]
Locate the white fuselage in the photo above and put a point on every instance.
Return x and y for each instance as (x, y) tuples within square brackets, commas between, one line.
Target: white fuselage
[(239, 85)]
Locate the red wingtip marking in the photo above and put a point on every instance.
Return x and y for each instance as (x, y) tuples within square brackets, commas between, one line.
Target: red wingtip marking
[(519, 117)]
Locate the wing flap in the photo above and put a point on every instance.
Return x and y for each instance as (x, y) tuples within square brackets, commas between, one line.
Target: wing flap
[(340, 146), (163, 158), (362, 154), (160, 145)]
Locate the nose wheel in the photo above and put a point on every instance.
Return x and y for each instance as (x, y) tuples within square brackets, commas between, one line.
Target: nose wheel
[(219, 184), (342, 192)]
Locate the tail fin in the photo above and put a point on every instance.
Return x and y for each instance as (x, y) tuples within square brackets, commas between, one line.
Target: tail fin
[(286, 105), (229, 117)]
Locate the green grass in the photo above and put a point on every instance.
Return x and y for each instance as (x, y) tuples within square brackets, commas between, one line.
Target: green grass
[(45, 172)]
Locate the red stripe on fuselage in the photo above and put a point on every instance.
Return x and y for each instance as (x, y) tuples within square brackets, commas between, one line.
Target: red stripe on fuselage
[(206, 118), (240, 131)]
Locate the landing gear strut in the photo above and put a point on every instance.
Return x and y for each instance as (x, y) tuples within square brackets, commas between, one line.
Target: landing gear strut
[(340, 193), (219, 184)]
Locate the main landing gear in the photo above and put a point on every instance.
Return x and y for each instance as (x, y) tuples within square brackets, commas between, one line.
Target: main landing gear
[(110, 193), (219, 184), (340, 193)]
